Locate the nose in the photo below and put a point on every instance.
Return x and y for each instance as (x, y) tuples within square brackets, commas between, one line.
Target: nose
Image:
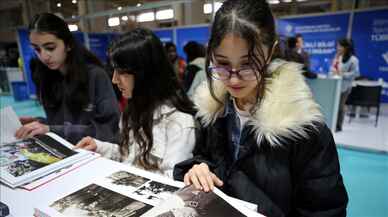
[(44, 56), (115, 78), (234, 79)]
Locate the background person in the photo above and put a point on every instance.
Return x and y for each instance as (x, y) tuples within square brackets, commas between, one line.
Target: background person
[(157, 126), (75, 91), (195, 71), (177, 61), (346, 65)]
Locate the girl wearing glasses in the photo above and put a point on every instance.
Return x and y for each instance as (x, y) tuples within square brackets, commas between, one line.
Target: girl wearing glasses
[(75, 91), (157, 126), (262, 137)]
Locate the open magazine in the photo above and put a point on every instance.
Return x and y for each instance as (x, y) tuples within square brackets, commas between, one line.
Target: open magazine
[(137, 193), (23, 161)]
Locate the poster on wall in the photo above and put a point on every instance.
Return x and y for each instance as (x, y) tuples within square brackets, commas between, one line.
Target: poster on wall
[(320, 34), (199, 34), (370, 37), (165, 35), (28, 53), (98, 44)]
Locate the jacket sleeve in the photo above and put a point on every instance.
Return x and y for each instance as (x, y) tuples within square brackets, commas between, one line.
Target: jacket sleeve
[(108, 150), (179, 145), (353, 70), (319, 186), (104, 117), (265, 205), (200, 154)]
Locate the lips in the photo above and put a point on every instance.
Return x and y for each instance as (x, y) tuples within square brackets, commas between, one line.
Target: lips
[(236, 88), (50, 64), (121, 89)]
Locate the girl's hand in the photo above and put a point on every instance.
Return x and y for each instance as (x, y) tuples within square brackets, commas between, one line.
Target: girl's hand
[(26, 119), (87, 143), (31, 129), (201, 177)]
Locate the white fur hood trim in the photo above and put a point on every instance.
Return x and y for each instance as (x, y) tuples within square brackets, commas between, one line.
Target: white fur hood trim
[(286, 109)]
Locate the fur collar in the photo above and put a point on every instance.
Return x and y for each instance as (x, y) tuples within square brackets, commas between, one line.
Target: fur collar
[(286, 109)]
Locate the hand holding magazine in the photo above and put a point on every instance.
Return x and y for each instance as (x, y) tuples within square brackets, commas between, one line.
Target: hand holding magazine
[(22, 161)]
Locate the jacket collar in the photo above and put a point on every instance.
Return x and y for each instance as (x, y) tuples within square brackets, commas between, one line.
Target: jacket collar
[(199, 61), (286, 109)]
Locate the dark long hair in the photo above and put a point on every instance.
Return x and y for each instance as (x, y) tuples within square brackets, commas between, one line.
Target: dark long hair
[(48, 82), (141, 53), (252, 20), (349, 49)]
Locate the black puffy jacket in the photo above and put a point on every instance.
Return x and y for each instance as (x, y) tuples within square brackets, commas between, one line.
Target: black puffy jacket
[(287, 164)]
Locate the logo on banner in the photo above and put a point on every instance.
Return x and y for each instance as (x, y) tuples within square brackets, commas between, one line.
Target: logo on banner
[(289, 28), (385, 56)]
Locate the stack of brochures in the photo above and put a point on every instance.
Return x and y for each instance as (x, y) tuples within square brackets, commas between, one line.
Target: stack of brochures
[(26, 160), (23, 161)]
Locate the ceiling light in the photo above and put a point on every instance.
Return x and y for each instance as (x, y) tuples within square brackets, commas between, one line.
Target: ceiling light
[(119, 8), (114, 21), (73, 27), (146, 17), (165, 14), (74, 1), (124, 18), (286, 1), (59, 5), (138, 4), (208, 7), (273, 2)]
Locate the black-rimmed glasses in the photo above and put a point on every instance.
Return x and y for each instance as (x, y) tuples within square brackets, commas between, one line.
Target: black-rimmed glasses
[(224, 73)]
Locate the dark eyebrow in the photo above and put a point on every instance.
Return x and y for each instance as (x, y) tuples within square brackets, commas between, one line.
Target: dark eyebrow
[(224, 57), (45, 44), (220, 56), (48, 44)]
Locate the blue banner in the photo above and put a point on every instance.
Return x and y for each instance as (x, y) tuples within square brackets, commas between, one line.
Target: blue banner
[(98, 44), (370, 37), (27, 53), (320, 34), (165, 35), (79, 36), (184, 35)]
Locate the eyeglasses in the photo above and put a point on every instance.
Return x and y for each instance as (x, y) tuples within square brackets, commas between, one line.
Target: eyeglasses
[(223, 73)]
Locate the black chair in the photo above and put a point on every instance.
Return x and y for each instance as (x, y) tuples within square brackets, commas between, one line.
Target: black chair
[(365, 96)]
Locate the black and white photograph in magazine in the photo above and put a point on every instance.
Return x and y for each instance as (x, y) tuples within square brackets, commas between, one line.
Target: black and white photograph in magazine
[(155, 192), (190, 202), (95, 200), (125, 178), (25, 156)]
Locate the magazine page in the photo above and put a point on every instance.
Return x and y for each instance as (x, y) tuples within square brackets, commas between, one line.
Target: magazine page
[(147, 190), (95, 200), (189, 201), (25, 160), (9, 124), (58, 173), (127, 191)]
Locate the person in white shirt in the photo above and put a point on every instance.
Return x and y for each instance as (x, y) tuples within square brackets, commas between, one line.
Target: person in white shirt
[(157, 126), (345, 65)]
